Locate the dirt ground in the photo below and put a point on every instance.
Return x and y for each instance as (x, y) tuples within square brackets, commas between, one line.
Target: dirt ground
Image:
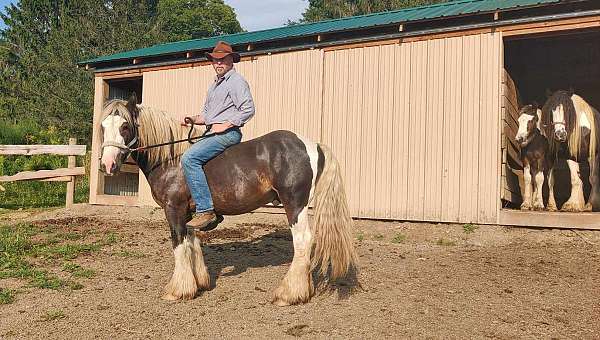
[(418, 281)]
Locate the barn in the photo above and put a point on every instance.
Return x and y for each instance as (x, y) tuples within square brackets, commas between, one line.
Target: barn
[(419, 105)]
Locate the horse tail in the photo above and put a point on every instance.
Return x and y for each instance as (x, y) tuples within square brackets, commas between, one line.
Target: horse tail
[(332, 222)]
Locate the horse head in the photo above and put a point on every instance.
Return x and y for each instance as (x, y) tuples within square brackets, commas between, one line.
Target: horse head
[(529, 124), (559, 115), (119, 132)]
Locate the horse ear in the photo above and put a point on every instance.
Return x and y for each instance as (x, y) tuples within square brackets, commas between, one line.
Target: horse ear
[(535, 105), (132, 106)]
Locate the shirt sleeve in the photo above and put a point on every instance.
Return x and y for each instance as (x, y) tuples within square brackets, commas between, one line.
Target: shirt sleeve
[(242, 99), (205, 107)]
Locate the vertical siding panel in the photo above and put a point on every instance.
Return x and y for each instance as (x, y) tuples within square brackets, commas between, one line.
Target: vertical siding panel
[(353, 151), (470, 130), (498, 66), (400, 165), (433, 129), (418, 116), (465, 189), (451, 145), (487, 183), (369, 116)]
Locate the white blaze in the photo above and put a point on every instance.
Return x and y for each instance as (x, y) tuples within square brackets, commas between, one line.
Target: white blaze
[(111, 125), (524, 120), (558, 117)]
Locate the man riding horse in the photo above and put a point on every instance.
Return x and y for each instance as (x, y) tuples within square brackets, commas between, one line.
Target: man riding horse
[(227, 108)]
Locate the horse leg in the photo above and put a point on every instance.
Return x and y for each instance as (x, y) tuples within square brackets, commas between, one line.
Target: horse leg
[(595, 184), (551, 199), (576, 201), (190, 273), (538, 200), (297, 286), (526, 205)]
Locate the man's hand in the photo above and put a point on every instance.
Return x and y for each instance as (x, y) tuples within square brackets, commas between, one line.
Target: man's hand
[(220, 127), (198, 120)]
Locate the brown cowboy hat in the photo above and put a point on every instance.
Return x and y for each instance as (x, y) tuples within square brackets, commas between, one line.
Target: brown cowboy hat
[(221, 50)]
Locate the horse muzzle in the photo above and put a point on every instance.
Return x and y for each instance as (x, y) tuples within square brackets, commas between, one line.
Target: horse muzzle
[(560, 136), (114, 169)]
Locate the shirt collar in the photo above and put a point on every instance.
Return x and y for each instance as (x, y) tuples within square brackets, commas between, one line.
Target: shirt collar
[(226, 76)]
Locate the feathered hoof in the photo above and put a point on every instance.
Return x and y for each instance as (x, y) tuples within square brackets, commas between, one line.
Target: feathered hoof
[(526, 206), (571, 207), (588, 207), (292, 294), (182, 292), (551, 208), (538, 206)]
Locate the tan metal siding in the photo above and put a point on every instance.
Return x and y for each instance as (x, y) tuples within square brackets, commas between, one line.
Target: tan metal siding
[(287, 92), (451, 155), (415, 127)]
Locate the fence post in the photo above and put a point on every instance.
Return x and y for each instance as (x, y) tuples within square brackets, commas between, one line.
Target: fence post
[(71, 183)]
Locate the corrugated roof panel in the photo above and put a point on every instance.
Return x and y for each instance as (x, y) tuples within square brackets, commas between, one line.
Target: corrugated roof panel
[(447, 9)]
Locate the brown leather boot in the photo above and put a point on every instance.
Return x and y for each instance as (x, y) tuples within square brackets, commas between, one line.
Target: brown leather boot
[(202, 220)]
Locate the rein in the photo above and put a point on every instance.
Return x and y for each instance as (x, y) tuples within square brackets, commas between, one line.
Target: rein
[(128, 148)]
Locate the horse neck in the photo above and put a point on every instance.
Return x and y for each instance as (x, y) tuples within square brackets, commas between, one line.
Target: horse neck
[(142, 162)]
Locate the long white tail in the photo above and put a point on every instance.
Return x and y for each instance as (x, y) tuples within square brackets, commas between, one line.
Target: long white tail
[(332, 223)]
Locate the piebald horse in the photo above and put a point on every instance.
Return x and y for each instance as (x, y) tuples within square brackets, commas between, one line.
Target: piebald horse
[(278, 166), (534, 152), (571, 126)]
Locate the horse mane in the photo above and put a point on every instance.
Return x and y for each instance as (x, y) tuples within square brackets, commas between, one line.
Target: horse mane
[(582, 107), (155, 127)]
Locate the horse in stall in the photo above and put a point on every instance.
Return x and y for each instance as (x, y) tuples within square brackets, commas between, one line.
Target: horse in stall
[(534, 152), (571, 125), (278, 166)]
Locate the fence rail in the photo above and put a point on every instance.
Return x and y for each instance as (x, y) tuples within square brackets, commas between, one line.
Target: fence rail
[(57, 175)]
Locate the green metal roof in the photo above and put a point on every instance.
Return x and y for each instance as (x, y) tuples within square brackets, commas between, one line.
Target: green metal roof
[(441, 10)]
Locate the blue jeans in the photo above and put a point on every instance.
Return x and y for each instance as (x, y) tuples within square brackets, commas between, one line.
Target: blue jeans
[(199, 154)]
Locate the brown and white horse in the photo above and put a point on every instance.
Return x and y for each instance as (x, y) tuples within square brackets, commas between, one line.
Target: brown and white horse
[(571, 125), (278, 166), (534, 152)]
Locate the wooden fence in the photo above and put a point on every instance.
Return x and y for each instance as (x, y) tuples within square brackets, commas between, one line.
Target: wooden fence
[(57, 175)]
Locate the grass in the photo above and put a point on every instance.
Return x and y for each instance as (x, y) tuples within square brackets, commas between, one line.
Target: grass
[(6, 296), (111, 238), (130, 253), (23, 195), (469, 228), (52, 315), (446, 243), (360, 236), (30, 253), (77, 271), (398, 238)]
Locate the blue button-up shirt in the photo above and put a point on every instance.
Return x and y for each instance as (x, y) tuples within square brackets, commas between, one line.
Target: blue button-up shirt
[(229, 100)]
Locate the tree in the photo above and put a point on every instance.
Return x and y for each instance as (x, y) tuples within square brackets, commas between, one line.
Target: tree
[(190, 19), (319, 10), (44, 39)]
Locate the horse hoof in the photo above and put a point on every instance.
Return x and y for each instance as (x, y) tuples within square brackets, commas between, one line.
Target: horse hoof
[(525, 207), (280, 303), (168, 297)]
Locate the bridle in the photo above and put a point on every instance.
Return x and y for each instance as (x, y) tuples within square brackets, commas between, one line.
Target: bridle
[(128, 147)]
